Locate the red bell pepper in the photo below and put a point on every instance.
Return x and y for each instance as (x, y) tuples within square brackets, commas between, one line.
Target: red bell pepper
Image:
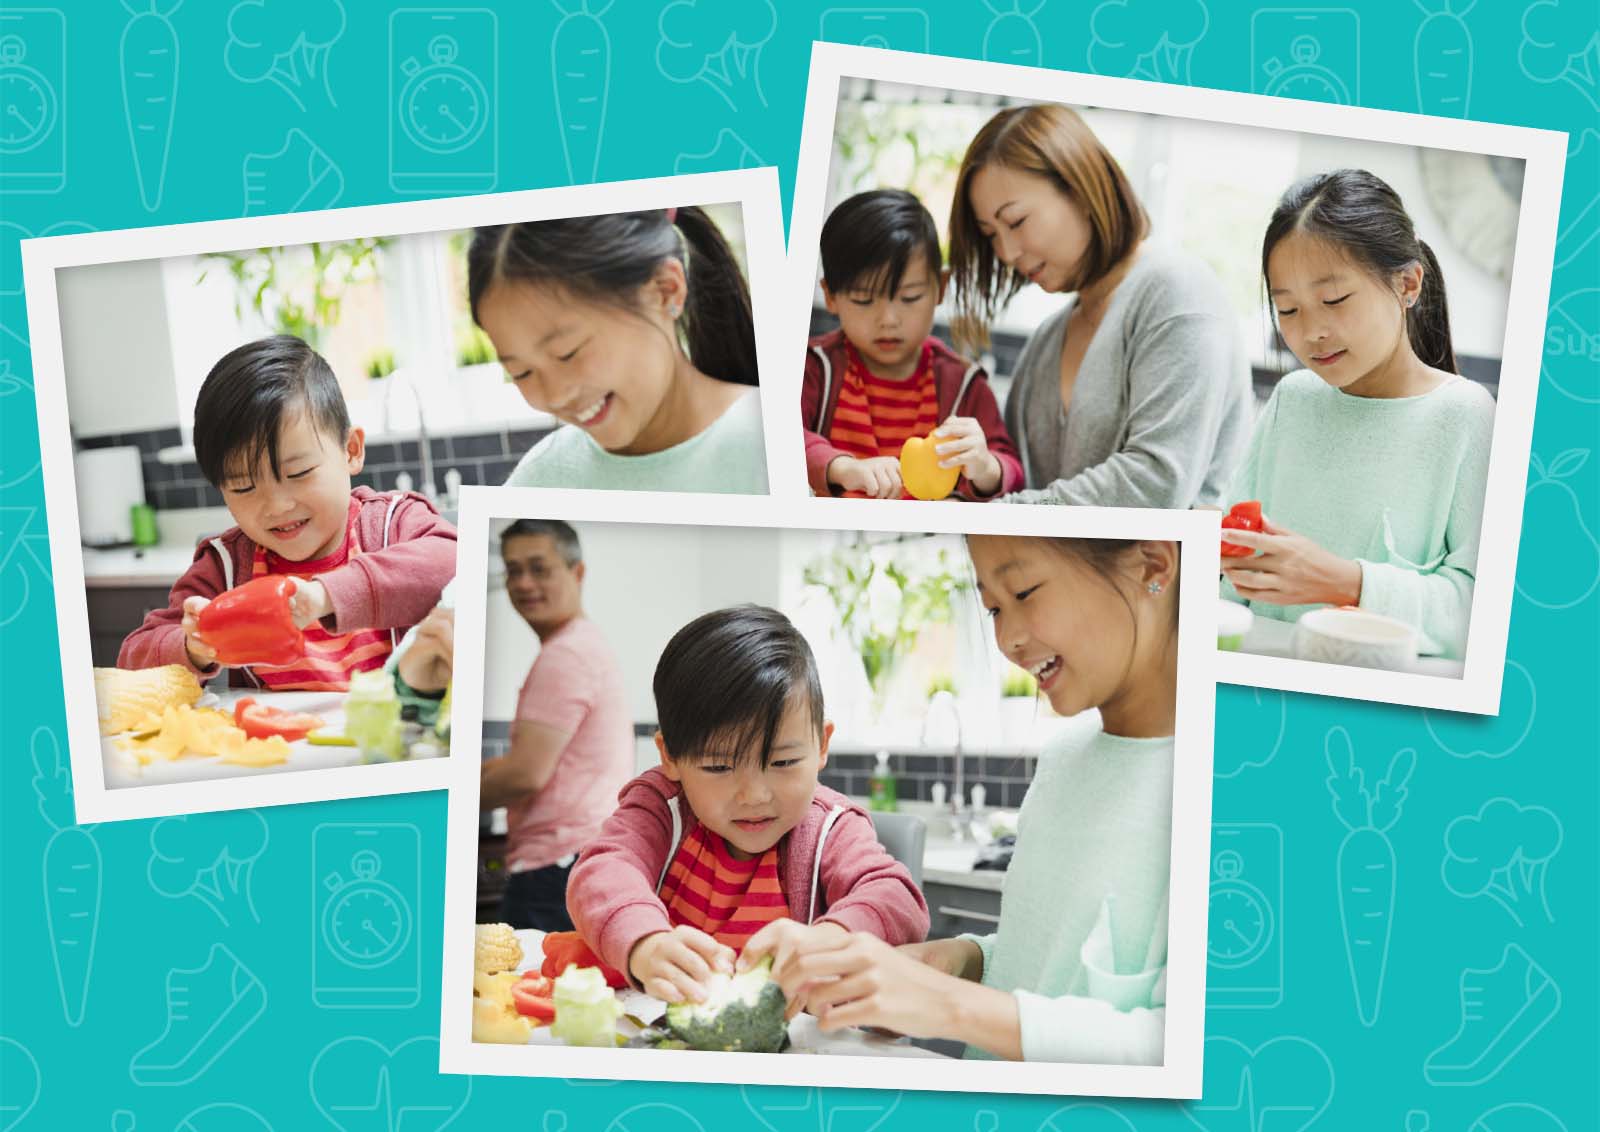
[(532, 997), (564, 949), (262, 722), (251, 624), (1242, 517)]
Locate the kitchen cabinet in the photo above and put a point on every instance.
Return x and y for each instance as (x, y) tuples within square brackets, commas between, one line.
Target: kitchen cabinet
[(116, 611), (954, 909)]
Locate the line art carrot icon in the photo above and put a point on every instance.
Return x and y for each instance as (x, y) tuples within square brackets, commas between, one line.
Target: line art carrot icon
[(72, 870), (1365, 870)]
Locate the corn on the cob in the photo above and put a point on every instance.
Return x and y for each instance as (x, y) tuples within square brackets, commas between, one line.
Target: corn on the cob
[(496, 949), (125, 696)]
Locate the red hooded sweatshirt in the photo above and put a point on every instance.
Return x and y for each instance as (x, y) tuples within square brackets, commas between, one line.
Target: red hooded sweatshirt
[(830, 865), (410, 555), (961, 388)]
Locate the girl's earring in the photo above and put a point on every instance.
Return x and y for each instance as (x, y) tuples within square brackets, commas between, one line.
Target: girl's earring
[(1155, 588)]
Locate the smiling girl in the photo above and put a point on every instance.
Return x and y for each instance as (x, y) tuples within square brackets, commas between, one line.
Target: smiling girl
[(1371, 462), (1137, 392), (634, 330), (1076, 970)]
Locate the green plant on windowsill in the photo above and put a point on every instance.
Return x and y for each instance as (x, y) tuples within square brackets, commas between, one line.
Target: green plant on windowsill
[(380, 364), (473, 348), (884, 597), (942, 682), (1018, 683), (294, 295)]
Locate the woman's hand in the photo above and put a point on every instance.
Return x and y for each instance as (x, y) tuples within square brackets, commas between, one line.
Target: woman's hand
[(878, 477), (675, 965), (962, 444), (428, 662), (1290, 569), (201, 655)]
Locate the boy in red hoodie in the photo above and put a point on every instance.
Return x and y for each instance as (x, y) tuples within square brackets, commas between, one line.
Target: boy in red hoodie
[(882, 378), (272, 433), (732, 832)]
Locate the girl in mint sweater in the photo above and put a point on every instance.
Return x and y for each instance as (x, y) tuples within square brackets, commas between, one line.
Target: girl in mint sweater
[(1371, 462), (1077, 968)]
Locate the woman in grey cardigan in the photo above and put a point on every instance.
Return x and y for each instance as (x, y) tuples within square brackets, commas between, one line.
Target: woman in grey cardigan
[(1137, 393)]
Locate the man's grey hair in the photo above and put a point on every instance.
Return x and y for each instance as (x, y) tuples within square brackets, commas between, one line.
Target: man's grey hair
[(562, 534)]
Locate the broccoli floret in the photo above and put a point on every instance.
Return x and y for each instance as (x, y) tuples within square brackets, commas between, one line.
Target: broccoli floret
[(741, 1012)]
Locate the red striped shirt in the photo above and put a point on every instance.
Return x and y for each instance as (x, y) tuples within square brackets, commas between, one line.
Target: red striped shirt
[(875, 416), (330, 657), (728, 899)]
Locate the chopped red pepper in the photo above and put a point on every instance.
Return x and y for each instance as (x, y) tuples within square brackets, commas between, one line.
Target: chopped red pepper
[(532, 997), (1242, 517), (252, 624), (564, 949), (262, 722)]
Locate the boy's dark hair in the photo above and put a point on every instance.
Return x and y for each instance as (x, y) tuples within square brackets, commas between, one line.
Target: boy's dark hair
[(246, 396), (562, 534), (869, 241), (606, 259), (1358, 212), (725, 679)]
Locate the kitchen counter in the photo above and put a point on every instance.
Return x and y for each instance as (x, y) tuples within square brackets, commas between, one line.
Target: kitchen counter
[(1269, 637), (162, 564), (123, 769), (804, 1034)]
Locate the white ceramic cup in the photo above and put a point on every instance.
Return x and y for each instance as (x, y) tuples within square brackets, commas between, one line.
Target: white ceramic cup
[(1357, 637)]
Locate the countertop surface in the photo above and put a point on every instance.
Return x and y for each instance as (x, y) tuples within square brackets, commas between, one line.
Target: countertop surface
[(123, 769), (1268, 637), (804, 1034)]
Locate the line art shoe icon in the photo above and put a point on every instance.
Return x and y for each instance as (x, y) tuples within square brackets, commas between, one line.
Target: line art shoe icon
[(1501, 1010), (208, 1007)]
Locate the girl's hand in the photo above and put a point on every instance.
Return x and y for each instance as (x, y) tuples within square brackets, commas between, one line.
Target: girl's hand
[(865, 982), (878, 477), (201, 655), (786, 940), (428, 663), (1290, 569), (962, 444), (309, 602), (675, 965), (959, 957)]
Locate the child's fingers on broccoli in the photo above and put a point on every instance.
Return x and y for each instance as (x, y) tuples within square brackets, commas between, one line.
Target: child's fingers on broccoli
[(743, 1013)]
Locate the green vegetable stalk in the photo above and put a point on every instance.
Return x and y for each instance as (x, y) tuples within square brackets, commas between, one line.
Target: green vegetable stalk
[(586, 1009), (372, 714)]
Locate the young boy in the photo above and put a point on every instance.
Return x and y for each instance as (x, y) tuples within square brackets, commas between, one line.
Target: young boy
[(271, 432), (732, 831), (881, 378)]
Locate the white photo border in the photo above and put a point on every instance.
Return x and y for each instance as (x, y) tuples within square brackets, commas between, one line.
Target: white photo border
[(1180, 1074), (754, 190), (1477, 690)]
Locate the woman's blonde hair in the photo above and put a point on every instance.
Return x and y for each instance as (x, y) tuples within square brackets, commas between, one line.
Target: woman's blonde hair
[(1051, 141)]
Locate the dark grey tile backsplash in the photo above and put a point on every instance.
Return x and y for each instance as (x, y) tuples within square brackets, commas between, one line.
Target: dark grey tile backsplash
[(481, 458)]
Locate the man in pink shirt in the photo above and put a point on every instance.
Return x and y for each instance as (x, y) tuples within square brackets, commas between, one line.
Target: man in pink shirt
[(572, 739)]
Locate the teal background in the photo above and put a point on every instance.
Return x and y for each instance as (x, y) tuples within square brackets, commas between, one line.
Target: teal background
[(1323, 1067)]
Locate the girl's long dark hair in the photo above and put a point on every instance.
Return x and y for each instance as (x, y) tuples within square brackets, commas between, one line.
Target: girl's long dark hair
[(1358, 212), (608, 258)]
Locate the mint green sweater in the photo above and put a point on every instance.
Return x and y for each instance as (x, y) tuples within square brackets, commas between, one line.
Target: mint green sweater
[(1082, 940), (1395, 483), (729, 456)]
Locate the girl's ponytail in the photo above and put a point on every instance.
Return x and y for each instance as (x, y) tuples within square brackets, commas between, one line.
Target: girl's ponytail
[(717, 323), (607, 259), (1428, 322), (1360, 213)]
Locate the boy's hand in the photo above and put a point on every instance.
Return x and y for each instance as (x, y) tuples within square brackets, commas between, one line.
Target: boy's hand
[(962, 444), (201, 655), (309, 602), (675, 965), (959, 957), (786, 941), (878, 477), (426, 666)]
